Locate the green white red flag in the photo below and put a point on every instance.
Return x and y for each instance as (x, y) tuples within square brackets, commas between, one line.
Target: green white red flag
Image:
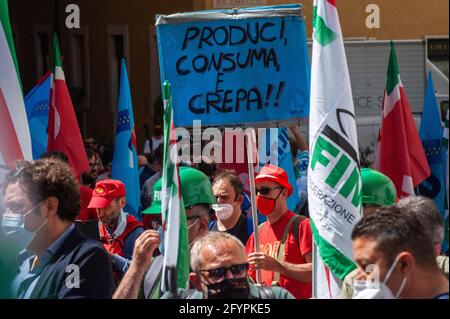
[(15, 141), (400, 154), (63, 130)]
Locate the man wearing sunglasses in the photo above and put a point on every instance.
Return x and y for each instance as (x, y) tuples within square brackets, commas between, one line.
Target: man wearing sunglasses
[(143, 279), (285, 239), (219, 271)]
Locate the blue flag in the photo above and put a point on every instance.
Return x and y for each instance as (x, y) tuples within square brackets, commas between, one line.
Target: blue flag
[(283, 159), (125, 164), (37, 104), (431, 136)]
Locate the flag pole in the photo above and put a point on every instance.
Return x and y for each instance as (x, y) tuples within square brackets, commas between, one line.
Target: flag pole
[(251, 141), (314, 271)]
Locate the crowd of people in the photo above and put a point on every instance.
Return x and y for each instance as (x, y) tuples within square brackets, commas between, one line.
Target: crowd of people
[(74, 239)]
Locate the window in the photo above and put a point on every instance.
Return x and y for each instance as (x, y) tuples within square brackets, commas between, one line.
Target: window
[(117, 49), (43, 40), (437, 61), (80, 68), (155, 107), (438, 53)]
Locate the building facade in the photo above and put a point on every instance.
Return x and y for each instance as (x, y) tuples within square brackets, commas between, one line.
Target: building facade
[(112, 29)]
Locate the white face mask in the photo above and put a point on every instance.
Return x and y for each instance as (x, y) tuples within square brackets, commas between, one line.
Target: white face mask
[(223, 211), (366, 289)]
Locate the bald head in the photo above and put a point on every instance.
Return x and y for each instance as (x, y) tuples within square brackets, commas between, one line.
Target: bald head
[(215, 250), (142, 160)]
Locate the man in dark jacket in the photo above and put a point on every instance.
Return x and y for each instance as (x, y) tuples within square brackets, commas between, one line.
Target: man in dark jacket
[(41, 200)]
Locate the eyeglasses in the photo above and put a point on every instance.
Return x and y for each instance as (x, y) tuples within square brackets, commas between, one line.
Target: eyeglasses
[(23, 211), (219, 274), (190, 219), (95, 164), (156, 223), (20, 173), (266, 190)]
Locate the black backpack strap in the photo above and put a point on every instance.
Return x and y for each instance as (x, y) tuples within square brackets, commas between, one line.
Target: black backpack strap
[(294, 222), (265, 292), (153, 276), (298, 219)]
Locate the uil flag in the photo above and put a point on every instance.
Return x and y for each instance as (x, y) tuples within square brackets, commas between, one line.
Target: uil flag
[(125, 165), (431, 135), (63, 131), (15, 142), (400, 154), (37, 104), (278, 152), (334, 182), (176, 247)]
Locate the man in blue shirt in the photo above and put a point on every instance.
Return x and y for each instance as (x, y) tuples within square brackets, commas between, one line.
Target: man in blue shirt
[(42, 200)]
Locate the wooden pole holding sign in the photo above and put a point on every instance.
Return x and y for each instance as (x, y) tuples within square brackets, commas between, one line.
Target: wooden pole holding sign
[(251, 143)]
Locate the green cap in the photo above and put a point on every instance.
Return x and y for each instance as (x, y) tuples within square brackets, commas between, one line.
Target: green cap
[(195, 189), (377, 188)]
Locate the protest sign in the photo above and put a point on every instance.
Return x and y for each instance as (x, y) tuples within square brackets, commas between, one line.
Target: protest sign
[(236, 66)]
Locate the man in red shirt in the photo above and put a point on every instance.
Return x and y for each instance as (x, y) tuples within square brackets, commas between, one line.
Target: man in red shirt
[(285, 239)]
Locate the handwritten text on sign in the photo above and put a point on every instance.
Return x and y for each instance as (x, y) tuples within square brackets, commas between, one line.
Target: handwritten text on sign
[(234, 71)]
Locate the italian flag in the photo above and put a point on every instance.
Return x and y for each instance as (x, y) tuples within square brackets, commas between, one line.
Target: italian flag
[(63, 131), (400, 153), (176, 245), (334, 183), (15, 141)]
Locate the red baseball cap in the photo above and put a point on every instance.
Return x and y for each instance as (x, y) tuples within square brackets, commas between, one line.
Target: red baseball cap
[(105, 191), (275, 174)]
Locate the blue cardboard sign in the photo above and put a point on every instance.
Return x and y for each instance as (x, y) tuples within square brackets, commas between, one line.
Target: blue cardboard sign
[(235, 66)]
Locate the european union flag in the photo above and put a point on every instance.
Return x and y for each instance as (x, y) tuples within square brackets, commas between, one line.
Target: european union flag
[(37, 106), (431, 136), (125, 164)]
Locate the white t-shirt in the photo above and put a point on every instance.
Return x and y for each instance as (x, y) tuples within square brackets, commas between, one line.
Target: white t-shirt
[(155, 143)]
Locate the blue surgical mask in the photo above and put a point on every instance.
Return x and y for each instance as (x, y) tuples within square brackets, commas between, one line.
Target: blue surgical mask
[(13, 225), (12, 222)]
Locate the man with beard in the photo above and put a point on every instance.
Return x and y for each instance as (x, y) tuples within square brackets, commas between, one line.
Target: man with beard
[(118, 230)]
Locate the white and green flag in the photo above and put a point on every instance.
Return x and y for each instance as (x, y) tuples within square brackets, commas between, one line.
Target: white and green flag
[(334, 182), (176, 246)]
